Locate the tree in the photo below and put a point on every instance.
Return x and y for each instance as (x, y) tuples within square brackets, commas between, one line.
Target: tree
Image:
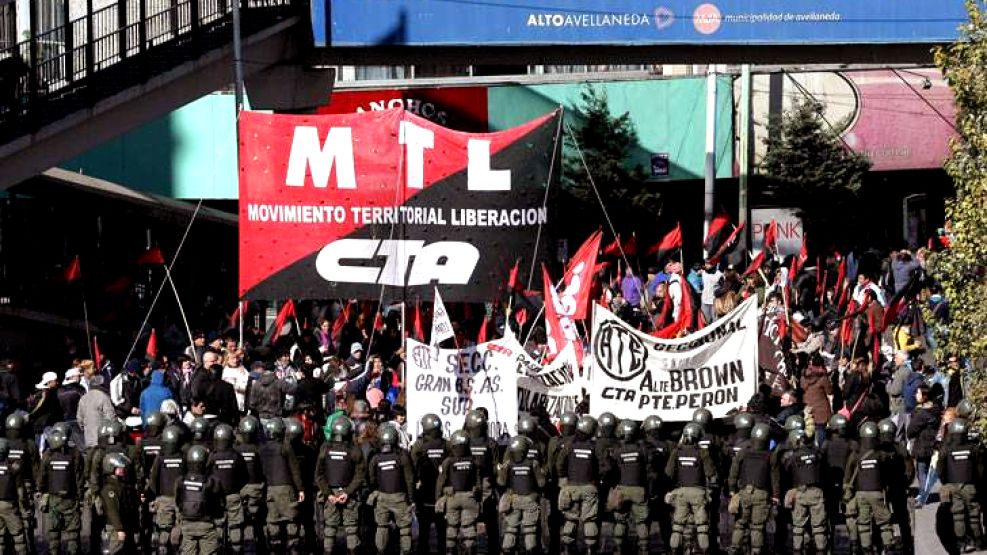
[(960, 269), (605, 142), (808, 167)]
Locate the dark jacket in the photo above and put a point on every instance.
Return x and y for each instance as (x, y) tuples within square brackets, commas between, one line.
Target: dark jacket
[(10, 391), (221, 401), (267, 396), (816, 390), (68, 397), (310, 391), (922, 429), (45, 410)]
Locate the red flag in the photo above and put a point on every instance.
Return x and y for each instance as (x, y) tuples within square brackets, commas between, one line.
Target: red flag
[(798, 261), (240, 311), (97, 356), (379, 322), (74, 271), (630, 247), (820, 277), (821, 290), (417, 324), (671, 241), (521, 316), (613, 249), (560, 329), (341, 320), (684, 320), (782, 326), (755, 264), (771, 236), (717, 231), (512, 280), (578, 281), (287, 311), (715, 259), (152, 346), (151, 257), (841, 288), (846, 329), (481, 337)]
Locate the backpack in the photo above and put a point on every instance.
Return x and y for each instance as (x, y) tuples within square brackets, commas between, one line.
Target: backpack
[(912, 384)]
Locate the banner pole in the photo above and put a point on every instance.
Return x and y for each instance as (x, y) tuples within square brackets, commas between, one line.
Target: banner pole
[(240, 305)]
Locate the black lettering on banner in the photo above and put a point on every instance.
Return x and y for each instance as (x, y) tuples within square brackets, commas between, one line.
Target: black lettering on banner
[(421, 357), (619, 353), (455, 405), (692, 379), (721, 396)]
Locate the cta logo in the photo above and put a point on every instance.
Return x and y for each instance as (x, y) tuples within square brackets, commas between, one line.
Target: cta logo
[(404, 262), (707, 19), (619, 353)]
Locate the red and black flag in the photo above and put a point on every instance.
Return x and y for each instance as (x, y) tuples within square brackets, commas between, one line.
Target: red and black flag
[(151, 257), (730, 242), (345, 205), (287, 311), (755, 264), (630, 247), (74, 271), (719, 230), (668, 244)]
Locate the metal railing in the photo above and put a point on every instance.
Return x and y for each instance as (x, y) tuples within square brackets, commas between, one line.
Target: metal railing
[(122, 44)]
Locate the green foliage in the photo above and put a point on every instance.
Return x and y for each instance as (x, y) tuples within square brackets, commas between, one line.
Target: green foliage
[(808, 167), (961, 268), (606, 143)]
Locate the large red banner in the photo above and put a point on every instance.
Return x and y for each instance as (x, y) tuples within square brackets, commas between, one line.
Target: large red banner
[(349, 205), (459, 108)]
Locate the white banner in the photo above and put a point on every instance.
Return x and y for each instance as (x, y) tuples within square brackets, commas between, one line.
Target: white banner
[(441, 325), (636, 375), (451, 382), (558, 387)]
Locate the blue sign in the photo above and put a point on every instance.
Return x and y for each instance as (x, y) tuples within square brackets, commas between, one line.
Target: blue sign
[(634, 22)]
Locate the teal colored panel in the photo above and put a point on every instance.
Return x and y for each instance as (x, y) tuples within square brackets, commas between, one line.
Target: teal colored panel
[(669, 116), (190, 153)]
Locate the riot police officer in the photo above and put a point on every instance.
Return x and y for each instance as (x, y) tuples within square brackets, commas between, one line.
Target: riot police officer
[(457, 493), (24, 451), (393, 482), (836, 448), (528, 427), (10, 512), (229, 471), (629, 498), (252, 493), (201, 432), (901, 464), (567, 429), (660, 449), (743, 424), (427, 454), (159, 491), (863, 489), (960, 468), (753, 484), (712, 443), (340, 472), (524, 479), (484, 450), (60, 483), (580, 466), (285, 489), (119, 503), (294, 434), (804, 465), (150, 447), (196, 495), (112, 439), (693, 473)]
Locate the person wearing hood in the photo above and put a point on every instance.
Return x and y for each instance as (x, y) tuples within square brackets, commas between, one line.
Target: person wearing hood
[(95, 409), (155, 394), (267, 394), (125, 389)]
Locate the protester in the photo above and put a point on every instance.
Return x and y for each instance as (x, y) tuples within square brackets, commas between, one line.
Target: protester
[(95, 410), (155, 394), (44, 407), (236, 375)]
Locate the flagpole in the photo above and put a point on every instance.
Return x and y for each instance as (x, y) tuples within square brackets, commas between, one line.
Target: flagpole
[(240, 306), (85, 316), (181, 309)]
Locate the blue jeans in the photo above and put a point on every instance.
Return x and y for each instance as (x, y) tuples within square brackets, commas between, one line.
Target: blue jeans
[(927, 478)]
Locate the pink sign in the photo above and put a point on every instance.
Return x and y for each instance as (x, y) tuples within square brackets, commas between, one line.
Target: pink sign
[(905, 118)]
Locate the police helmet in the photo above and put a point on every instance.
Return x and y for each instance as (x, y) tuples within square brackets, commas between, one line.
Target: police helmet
[(112, 432), (692, 433), (431, 423), (222, 436), (743, 421), (518, 448), (248, 428), (586, 425), (156, 422), (761, 433), (388, 436), (476, 421), (459, 443), (887, 428), (293, 428), (629, 429), (837, 423), (15, 422), (56, 439), (652, 424), (965, 409), (796, 437), (172, 436), (794, 422), (958, 427), (114, 461), (196, 458), (62, 427), (567, 423), (526, 425), (274, 428), (341, 430), (702, 417), (608, 424), (200, 429), (868, 430)]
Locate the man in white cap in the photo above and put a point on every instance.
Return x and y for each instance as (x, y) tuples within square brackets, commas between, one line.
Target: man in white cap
[(354, 364), (44, 407), (68, 396)]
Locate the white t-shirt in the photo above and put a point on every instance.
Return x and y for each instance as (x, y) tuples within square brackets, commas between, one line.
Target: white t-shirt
[(238, 378)]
